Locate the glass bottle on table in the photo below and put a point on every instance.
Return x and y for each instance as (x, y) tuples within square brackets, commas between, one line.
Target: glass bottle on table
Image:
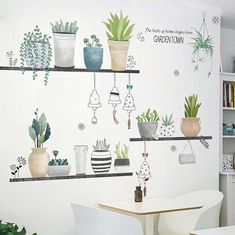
[(138, 194)]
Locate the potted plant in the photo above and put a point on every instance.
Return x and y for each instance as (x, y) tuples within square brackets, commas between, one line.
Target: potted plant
[(36, 52), (93, 53), (101, 158), (190, 125), (64, 35), (39, 132), (167, 127), (122, 162), (148, 123), (11, 229), (119, 32), (58, 167)]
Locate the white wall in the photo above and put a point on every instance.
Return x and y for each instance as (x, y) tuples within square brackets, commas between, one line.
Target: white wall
[(227, 49), (44, 207)]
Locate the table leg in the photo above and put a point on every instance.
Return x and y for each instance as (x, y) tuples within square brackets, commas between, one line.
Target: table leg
[(149, 224)]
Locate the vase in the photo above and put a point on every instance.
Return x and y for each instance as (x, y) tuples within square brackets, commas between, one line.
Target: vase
[(190, 127), (101, 161), (64, 49), (38, 161), (147, 129), (93, 57), (80, 158), (118, 52)]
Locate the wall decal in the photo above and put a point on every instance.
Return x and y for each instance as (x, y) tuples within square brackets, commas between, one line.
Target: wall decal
[(187, 158), (131, 63), (173, 148), (101, 158), (140, 37), (202, 46), (176, 72), (167, 128), (204, 142), (81, 126), (114, 99), (12, 61), (36, 52), (15, 169), (94, 102), (216, 19), (129, 104), (122, 162)]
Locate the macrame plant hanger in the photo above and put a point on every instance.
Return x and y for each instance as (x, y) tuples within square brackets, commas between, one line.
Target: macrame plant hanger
[(144, 173)]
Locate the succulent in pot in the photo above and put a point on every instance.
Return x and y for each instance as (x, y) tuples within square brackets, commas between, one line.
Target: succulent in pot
[(39, 132), (119, 32), (101, 158), (36, 52), (64, 35), (190, 125), (58, 167), (122, 162), (167, 127), (93, 53), (148, 123)]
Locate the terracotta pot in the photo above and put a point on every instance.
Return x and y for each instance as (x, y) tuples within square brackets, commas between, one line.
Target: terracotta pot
[(118, 52), (38, 161), (190, 127)]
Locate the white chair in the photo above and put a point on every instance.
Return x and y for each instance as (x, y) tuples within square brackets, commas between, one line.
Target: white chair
[(97, 221), (183, 222)]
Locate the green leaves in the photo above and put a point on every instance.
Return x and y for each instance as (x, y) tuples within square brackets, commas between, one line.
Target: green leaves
[(148, 116), (119, 28), (191, 106), (167, 120), (67, 27)]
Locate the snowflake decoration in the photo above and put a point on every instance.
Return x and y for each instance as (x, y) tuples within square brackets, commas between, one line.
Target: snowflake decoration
[(173, 148), (140, 37), (176, 72), (81, 126), (216, 19), (131, 63)]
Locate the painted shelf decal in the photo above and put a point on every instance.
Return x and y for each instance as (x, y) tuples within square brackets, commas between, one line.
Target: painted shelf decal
[(71, 177), (171, 138)]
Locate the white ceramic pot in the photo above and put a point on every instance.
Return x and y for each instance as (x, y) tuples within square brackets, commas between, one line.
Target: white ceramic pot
[(190, 127), (38, 161), (101, 161), (58, 170), (118, 52), (64, 49), (122, 165)]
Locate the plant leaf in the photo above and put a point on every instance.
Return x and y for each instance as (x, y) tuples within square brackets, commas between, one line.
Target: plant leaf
[(47, 133)]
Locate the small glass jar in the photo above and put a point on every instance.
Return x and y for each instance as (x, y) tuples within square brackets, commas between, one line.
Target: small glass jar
[(138, 194)]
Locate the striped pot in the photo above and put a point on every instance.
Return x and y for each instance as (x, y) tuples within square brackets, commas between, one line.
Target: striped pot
[(101, 161)]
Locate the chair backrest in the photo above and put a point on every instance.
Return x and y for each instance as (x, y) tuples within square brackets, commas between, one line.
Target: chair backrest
[(186, 221), (98, 221)]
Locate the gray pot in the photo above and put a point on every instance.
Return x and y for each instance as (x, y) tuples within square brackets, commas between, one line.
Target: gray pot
[(147, 129)]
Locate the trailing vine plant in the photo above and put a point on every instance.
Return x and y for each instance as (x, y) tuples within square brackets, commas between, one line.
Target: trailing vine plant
[(36, 52)]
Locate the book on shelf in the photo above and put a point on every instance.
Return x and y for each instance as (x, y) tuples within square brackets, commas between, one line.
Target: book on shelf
[(228, 95)]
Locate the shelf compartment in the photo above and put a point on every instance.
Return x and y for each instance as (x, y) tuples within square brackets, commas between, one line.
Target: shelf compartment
[(171, 138), (70, 177), (229, 136), (68, 70), (228, 109)]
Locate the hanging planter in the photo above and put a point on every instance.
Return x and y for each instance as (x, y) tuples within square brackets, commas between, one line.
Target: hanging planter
[(93, 53), (64, 35), (148, 123), (119, 32), (36, 52), (190, 125), (101, 158)]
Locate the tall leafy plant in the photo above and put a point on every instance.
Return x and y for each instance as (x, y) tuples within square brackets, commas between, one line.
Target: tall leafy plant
[(191, 106), (40, 130), (119, 27)]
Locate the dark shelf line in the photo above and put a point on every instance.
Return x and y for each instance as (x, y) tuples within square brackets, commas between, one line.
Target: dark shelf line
[(69, 70), (71, 177), (171, 138)]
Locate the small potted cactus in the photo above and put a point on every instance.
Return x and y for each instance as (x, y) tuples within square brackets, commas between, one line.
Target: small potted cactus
[(64, 35), (93, 53), (148, 123), (58, 167), (122, 162), (167, 128), (101, 158)]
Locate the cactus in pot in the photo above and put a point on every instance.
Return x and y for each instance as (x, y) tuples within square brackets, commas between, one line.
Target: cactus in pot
[(167, 128)]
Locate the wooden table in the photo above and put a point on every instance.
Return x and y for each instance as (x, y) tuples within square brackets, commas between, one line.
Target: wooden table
[(230, 230), (149, 208)]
